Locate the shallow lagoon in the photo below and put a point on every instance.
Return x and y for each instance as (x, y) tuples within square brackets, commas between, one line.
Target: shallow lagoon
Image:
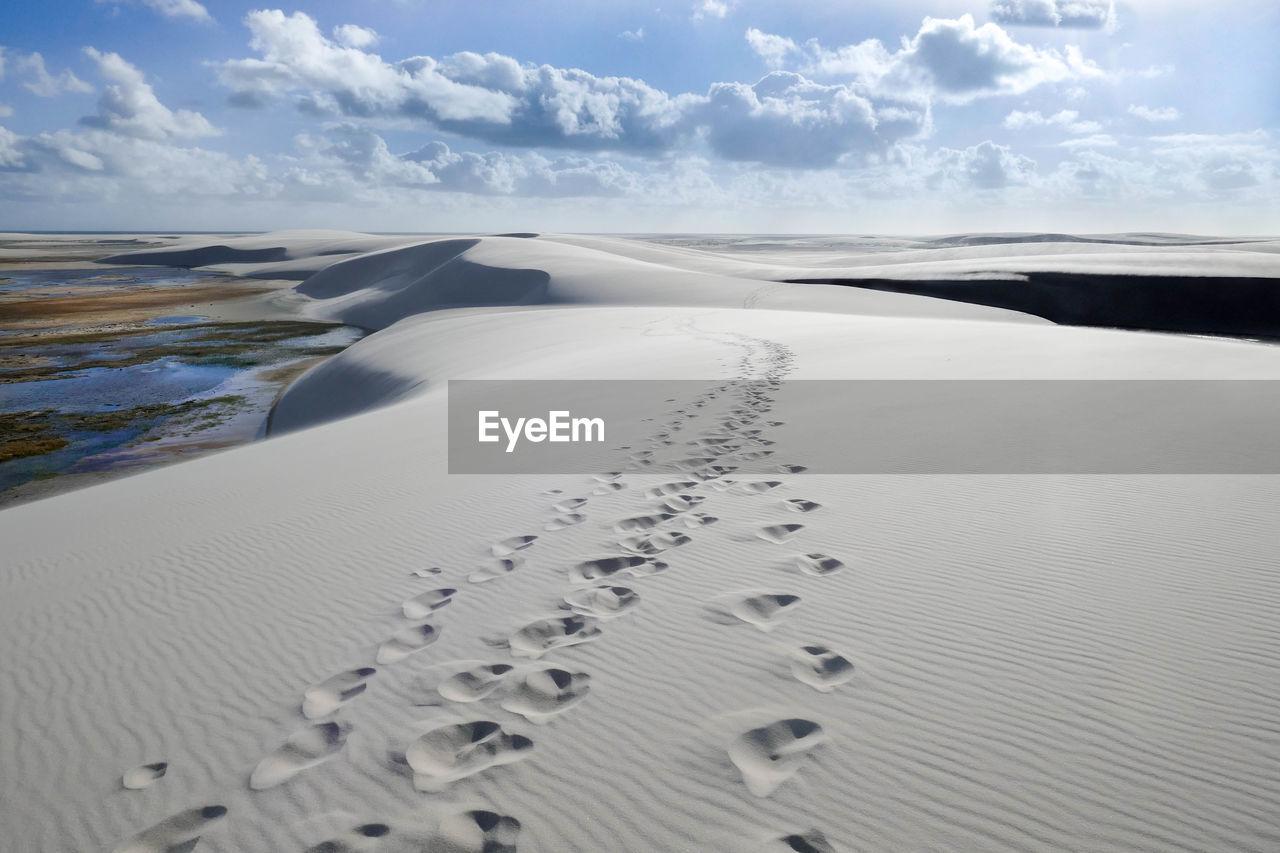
[(97, 400)]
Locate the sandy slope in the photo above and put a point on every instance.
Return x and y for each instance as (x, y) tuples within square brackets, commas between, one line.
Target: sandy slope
[(1025, 663)]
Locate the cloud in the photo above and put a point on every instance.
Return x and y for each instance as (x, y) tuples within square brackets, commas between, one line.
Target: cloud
[(632, 35), (1155, 113), (1069, 119), (789, 120), (5, 110), (129, 106), (1223, 164), (490, 97), (40, 82), (1095, 140), (102, 166), (1082, 14), (774, 50), (985, 166), (350, 160), (175, 9), (717, 9), (354, 35), (180, 9), (10, 156), (953, 61)]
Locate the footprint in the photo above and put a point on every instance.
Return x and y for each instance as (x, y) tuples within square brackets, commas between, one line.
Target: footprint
[(812, 841), (765, 610), (603, 567), (754, 455), (406, 642), (757, 487), (691, 464), (542, 694), (178, 833), (649, 567), (455, 751), (798, 505), (140, 777), (475, 683), (426, 603), (608, 488), (654, 543), (305, 748), (494, 569), (603, 602), (682, 503), (324, 698), (665, 489), (569, 505), (509, 546), (607, 476), (640, 523), (478, 831), (818, 564), (820, 668), (698, 519), (560, 522), (770, 755), (538, 638), (357, 839), (779, 533), (791, 469), (426, 573)]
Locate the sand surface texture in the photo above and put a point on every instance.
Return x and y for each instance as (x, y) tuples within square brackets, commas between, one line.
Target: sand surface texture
[(325, 642)]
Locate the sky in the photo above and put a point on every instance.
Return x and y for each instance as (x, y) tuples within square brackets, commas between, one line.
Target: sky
[(721, 116)]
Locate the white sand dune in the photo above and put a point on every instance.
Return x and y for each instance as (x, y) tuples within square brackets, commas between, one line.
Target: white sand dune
[(926, 663)]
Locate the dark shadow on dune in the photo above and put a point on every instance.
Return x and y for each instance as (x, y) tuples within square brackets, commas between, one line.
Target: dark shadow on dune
[(201, 257), (1143, 239), (1240, 307)]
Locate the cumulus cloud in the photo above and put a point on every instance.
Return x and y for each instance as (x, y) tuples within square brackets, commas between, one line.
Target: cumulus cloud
[(1154, 113), (354, 35), (103, 165), (632, 35), (490, 97), (176, 9), (788, 120), (785, 119), (38, 80), (349, 158), (717, 9), (1083, 14), (985, 166), (10, 156), (1069, 119), (954, 61), (129, 105), (180, 9), (774, 50), (1220, 163)]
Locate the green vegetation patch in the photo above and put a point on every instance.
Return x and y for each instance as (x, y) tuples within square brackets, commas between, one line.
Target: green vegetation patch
[(35, 432), (30, 447)]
